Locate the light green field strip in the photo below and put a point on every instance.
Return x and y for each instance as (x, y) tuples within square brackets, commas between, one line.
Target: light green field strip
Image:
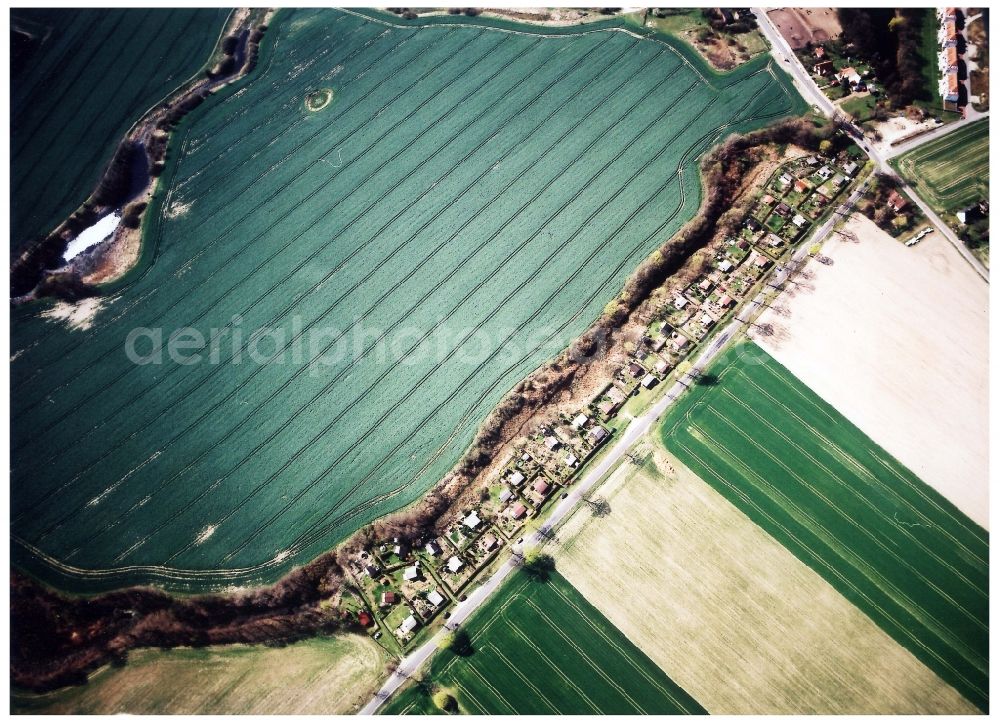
[(953, 171), (540, 648), (464, 207), (893, 546)]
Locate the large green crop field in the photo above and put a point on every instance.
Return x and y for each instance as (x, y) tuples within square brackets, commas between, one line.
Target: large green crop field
[(908, 558), (953, 171), (85, 77), (541, 648), (466, 205)]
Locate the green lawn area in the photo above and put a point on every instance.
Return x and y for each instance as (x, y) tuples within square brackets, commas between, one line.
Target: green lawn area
[(892, 545), (952, 171), (860, 107), (541, 648)]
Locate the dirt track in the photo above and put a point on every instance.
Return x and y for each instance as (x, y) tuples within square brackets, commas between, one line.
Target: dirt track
[(806, 25)]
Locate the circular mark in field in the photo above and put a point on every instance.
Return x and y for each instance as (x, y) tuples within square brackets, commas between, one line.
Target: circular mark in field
[(319, 99)]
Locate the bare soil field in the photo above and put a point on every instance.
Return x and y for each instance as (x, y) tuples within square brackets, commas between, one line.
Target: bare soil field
[(806, 25), (318, 676), (896, 340), (732, 616)]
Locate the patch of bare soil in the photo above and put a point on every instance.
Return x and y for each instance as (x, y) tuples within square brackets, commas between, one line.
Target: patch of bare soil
[(800, 26), (897, 340), (79, 316)]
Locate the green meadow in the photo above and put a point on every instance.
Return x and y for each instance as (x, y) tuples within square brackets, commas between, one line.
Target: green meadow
[(85, 76), (541, 648), (910, 560), (367, 279)]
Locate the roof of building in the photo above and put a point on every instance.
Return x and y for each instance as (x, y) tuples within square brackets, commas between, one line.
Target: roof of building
[(455, 564), (597, 433), (580, 420), (616, 395), (896, 200), (432, 547), (505, 495), (515, 478), (435, 598), (541, 486), (648, 381), (472, 520), (409, 624), (388, 597), (518, 510), (412, 572)]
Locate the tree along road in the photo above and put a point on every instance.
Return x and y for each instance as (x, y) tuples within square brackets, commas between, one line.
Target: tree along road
[(783, 53)]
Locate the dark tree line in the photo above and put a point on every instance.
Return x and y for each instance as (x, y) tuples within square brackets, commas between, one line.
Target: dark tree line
[(890, 40)]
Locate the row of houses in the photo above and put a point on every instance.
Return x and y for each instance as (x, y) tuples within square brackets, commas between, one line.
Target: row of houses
[(409, 584), (952, 48), (406, 585)]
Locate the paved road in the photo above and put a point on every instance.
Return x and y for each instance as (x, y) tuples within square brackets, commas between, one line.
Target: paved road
[(783, 53)]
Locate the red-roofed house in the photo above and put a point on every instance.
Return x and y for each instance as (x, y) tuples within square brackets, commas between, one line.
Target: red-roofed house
[(897, 202)]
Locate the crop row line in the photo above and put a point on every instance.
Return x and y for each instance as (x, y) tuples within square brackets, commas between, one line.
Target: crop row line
[(319, 530), (838, 546), (447, 316), (241, 251), (936, 661), (397, 249), (454, 269)]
